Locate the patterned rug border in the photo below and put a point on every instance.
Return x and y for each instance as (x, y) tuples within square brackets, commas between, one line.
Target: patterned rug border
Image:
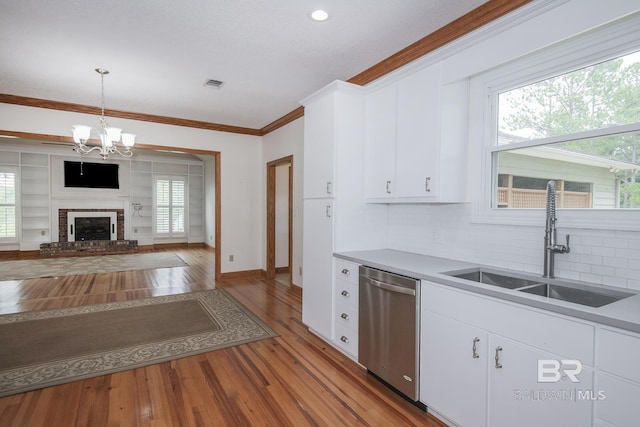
[(62, 266), (239, 326)]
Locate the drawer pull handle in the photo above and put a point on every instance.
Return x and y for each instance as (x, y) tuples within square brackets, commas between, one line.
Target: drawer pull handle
[(345, 316), (328, 187), (344, 293), (427, 181), (476, 340), (344, 339), (388, 187), (498, 364), (346, 271)]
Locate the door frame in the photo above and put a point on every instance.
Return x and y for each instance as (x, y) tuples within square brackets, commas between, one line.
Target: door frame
[(271, 216)]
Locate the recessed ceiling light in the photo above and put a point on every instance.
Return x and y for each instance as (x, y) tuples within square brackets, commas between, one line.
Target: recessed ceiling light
[(319, 15)]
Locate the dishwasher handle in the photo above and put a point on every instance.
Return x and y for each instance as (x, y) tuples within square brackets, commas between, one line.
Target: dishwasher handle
[(389, 287)]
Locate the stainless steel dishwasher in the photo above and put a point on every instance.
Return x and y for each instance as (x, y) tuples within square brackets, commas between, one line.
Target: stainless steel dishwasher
[(389, 329)]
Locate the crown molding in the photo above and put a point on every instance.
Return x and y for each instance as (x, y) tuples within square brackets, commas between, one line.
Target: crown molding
[(86, 109)]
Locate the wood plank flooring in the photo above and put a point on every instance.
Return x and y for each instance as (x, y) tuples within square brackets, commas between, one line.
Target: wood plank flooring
[(295, 379)]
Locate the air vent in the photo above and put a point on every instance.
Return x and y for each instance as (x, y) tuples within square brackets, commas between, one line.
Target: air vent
[(214, 83)]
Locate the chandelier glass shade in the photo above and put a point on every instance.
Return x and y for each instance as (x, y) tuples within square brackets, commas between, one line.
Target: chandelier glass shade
[(110, 137)]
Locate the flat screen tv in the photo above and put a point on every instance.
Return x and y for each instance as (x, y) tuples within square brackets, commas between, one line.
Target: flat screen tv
[(91, 175)]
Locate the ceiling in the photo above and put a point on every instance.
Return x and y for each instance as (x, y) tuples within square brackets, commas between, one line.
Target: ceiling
[(268, 53)]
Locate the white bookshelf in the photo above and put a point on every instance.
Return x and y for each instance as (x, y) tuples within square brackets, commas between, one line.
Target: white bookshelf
[(35, 200)]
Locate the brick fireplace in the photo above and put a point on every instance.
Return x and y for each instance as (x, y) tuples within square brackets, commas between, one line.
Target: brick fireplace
[(63, 222), (65, 247)]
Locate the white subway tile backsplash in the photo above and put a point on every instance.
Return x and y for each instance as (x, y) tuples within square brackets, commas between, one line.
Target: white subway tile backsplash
[(612, 242), (603, 251), (593, 278), (591, 259), (603, 271), (598, 256), (628, 253), (615, 262)]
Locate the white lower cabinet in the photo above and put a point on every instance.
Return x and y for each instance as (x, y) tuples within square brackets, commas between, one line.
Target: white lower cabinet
[(517, 398), (317, 295), (480, 359), (453, 379), (618, 379)]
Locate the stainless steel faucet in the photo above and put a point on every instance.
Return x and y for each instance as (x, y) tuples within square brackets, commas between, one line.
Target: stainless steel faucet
[(550, 246)]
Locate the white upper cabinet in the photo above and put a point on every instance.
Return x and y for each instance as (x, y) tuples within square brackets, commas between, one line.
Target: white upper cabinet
[(415, 140), (380, 143), (417, 145), (319, 141)]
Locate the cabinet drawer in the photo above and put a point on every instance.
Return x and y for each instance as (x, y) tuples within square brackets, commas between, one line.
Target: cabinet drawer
[(347, 340), (345, 270), (347, 317), (547, 332), (618, 353), (618, 405), (346, 293)]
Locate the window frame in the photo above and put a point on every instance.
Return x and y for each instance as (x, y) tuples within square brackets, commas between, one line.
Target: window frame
[(604, 43), (171, 234), (15, 170)]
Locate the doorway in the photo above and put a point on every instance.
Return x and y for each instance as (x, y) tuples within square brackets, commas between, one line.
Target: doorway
[(279, 217)]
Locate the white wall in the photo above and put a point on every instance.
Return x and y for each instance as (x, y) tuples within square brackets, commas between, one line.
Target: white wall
[(283, 142), (242, 210), (602, 256)]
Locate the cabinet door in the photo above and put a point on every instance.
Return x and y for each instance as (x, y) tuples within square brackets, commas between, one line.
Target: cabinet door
[(453, 369), (317, 272), (517, 398), (417, 147), (319, 140), (380, 142)]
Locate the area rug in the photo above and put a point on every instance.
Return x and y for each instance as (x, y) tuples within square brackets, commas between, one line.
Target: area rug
[(50, 347), (71, 266)]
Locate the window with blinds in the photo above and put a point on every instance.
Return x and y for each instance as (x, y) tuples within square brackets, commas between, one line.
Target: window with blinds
[(170, 206), (7, 205)]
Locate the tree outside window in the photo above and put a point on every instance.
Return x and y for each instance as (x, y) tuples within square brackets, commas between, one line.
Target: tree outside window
[(583, 125)]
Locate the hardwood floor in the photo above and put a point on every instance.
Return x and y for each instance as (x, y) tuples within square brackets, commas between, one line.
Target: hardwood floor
[(295, 379)]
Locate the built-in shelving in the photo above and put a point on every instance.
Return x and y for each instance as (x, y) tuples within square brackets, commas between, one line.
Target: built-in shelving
[(35, 200), (141, 200)]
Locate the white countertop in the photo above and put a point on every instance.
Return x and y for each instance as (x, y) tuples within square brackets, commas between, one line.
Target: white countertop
[(624, 314)]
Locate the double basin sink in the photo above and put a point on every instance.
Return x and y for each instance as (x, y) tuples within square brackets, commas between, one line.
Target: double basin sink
[(577, 293)]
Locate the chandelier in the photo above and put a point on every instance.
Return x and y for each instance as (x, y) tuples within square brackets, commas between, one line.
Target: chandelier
[(109, 136)]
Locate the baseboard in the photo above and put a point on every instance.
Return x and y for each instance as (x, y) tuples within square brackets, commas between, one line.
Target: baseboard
[(183, 245), (282, 270), (246, 274)]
